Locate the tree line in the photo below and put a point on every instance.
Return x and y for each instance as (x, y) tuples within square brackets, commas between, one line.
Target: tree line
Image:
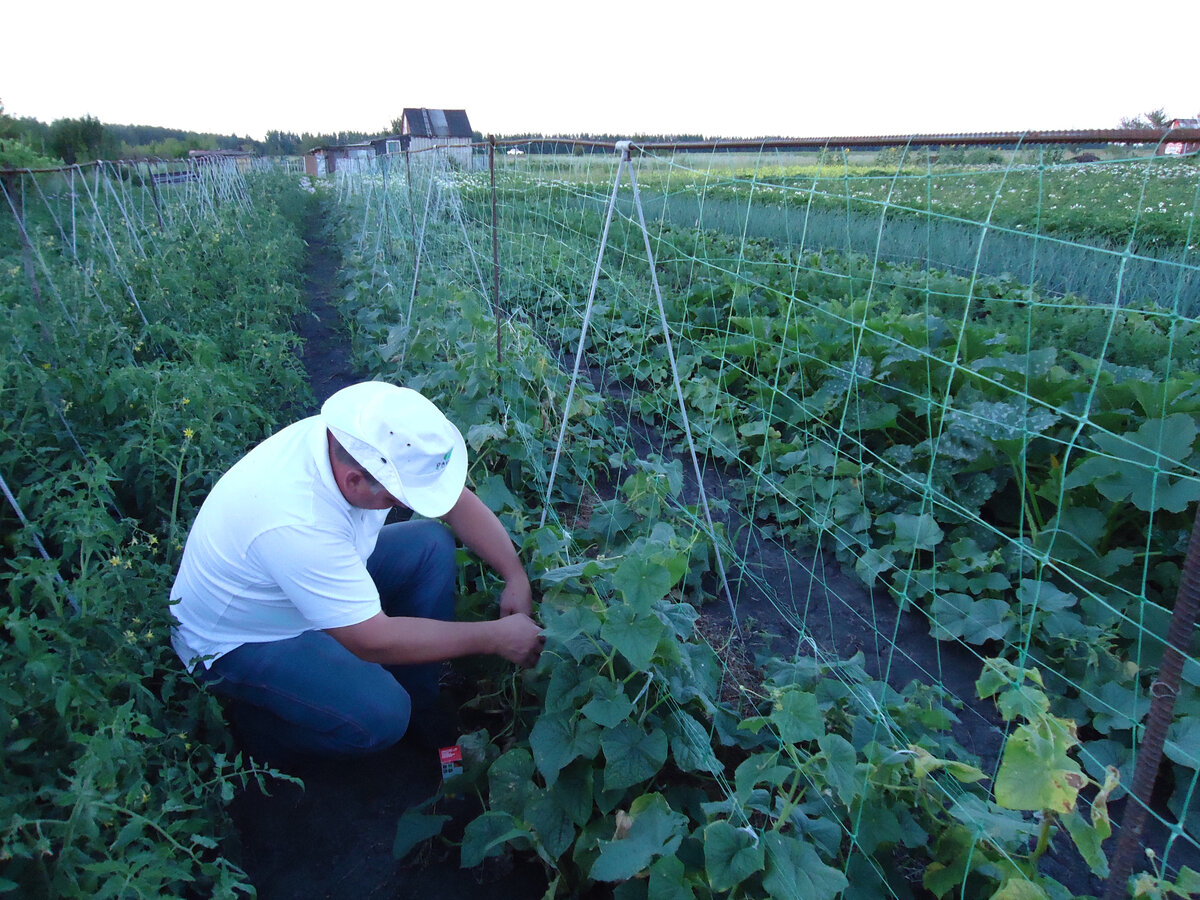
[(27, 142)]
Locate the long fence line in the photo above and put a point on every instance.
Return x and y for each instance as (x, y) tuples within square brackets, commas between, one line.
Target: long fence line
[(538, 217), (1003, 139)]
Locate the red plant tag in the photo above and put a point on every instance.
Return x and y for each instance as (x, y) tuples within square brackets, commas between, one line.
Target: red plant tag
[(451, 758)]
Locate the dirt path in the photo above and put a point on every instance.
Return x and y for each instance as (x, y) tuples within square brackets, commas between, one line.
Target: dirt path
[(326, 355)]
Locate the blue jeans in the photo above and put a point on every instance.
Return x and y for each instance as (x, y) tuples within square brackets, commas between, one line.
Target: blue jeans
[(310, 696)]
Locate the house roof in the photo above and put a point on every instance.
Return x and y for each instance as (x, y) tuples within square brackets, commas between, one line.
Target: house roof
[(437, 123), (340, 148)]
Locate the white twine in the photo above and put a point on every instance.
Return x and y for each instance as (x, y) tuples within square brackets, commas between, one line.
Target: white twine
[(623, 149)]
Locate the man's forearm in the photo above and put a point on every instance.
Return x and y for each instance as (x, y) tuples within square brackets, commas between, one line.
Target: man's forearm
[(389, 640), (403, 640), (483, 534)]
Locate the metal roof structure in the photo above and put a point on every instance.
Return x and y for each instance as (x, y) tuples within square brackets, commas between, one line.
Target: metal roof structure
[(435, 123)]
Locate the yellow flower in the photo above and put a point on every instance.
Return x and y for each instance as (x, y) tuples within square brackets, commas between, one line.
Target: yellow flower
[(114, 560), (188, 434), (186, 401)]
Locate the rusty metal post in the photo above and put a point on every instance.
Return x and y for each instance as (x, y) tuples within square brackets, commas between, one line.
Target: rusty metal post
[(1162, 706), (495, 247)]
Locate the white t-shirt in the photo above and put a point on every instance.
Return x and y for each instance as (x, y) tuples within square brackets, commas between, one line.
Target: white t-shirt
[(275, 551)]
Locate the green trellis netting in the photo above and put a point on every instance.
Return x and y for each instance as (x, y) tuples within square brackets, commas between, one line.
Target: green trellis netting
[(960, 383), (923, 413)]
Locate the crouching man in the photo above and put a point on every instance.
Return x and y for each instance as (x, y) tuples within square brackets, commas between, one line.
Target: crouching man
[(322, 627)]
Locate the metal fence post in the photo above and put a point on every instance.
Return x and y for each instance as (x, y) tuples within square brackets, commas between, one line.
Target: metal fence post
[(1162, 706)]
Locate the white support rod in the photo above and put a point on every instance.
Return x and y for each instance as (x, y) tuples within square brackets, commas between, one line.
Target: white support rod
[(71, 191), (494, 302), (381, 229), (34, 252), (416, 271), (587, 317), (687, 428), (129, 224), (36, 540), (112, 252)]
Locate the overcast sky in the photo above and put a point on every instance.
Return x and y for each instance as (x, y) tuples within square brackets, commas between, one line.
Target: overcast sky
[(745, 68)]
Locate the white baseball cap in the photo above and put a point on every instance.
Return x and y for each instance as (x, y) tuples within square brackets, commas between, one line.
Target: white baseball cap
[(403, 440)]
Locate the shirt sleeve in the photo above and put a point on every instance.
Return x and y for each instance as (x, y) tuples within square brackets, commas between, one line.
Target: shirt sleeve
[(320, 572)]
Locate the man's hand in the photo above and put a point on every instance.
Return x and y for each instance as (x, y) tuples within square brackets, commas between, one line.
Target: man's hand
[(517, 597), (519, 639)]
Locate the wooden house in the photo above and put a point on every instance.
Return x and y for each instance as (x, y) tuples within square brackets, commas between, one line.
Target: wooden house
[(392, 143), (340, 158), (448, 130)]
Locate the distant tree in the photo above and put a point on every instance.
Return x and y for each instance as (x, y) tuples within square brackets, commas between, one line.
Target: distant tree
[(77, 140), (1156, 118), (28, 131), (15, 149), (397, 125), (281, 143)]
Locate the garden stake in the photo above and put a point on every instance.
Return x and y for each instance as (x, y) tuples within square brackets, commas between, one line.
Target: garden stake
[(687, 427), (416, 263), (495, 245), (623, 149), (36, 540), (583, 328), (71, 241), (1162, 705), (74, 232), (412, 221), (154, 197), (17, 206), (111, 251), (455, 203), (387, 218)]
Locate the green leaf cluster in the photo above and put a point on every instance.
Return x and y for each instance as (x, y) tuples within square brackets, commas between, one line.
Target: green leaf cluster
[(150, 345)]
